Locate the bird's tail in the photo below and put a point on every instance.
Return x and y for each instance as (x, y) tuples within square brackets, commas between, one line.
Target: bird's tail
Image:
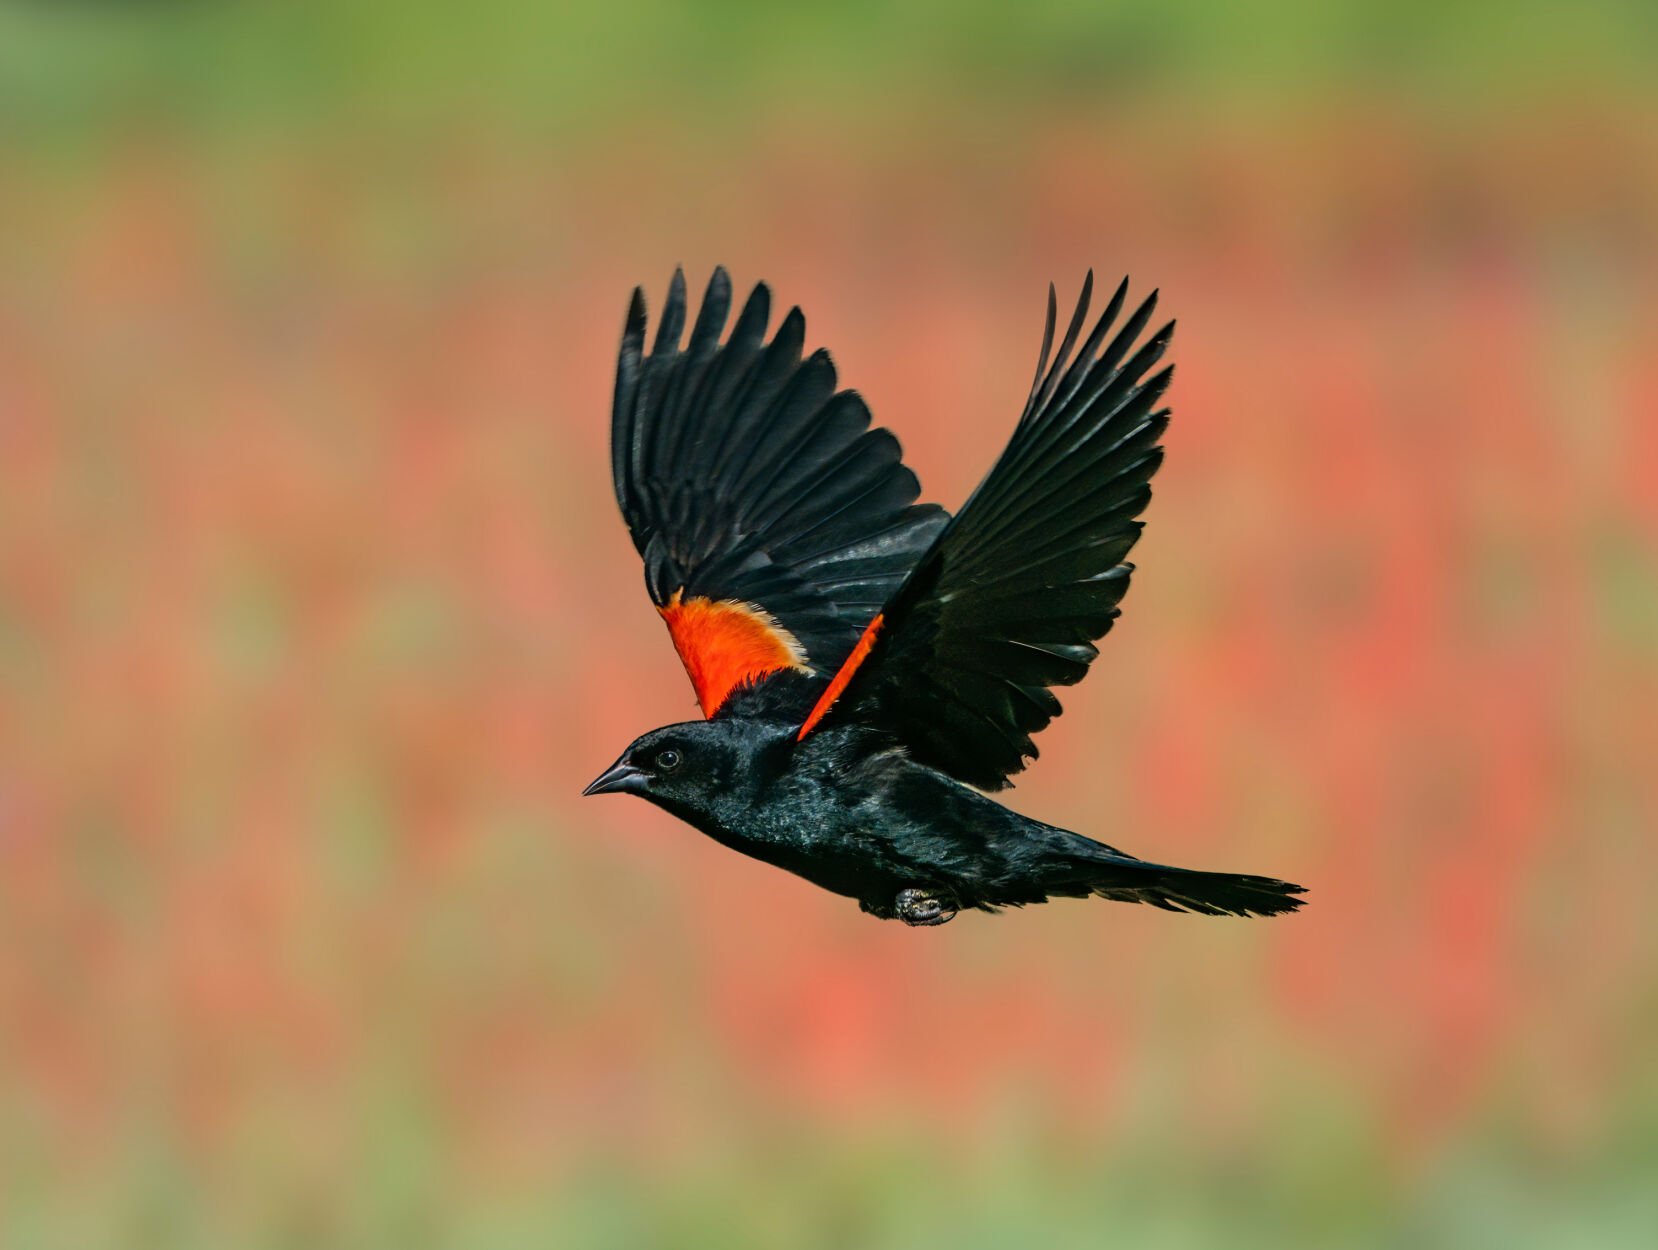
[(1125, 879)]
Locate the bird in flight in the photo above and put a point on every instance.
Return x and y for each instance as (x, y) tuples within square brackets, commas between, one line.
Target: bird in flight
[(869, 667)]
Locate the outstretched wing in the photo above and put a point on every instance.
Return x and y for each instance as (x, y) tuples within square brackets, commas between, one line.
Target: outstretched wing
[(773, 521), (1012, 596)]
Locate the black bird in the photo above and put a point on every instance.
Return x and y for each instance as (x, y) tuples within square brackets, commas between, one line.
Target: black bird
[(868, 665)]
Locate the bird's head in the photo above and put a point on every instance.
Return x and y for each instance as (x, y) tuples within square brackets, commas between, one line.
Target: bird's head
[(690, 768)]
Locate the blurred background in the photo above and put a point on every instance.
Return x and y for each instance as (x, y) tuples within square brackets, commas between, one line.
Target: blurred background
[(316, 613)]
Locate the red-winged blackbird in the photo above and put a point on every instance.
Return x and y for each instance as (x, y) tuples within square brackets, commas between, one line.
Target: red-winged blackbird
[(863, 661)]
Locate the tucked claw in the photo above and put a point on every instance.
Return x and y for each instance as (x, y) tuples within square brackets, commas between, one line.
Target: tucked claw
[(921, 907)]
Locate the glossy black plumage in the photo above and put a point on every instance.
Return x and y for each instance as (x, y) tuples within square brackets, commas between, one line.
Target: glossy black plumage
[(744, 475), (751, 486), (1011, 598)]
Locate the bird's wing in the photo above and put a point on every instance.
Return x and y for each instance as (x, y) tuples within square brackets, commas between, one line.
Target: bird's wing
[(1013, 594), (773, 521)]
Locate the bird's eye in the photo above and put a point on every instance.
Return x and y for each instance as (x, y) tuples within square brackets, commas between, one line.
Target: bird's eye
[(668, 760)]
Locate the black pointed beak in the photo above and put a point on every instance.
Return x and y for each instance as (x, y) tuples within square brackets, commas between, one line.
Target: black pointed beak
[(620, 778)]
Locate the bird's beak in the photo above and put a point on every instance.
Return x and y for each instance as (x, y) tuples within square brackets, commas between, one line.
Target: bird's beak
[(620, 778)]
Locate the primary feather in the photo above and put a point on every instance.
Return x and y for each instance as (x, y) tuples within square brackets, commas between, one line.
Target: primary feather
[(747, 479), (1013, 594)]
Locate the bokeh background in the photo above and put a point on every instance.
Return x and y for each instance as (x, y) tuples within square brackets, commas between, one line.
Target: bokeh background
[(316, 614)]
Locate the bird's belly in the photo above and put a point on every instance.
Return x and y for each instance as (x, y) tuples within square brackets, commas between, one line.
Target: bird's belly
[(848, 864), (839, 870)]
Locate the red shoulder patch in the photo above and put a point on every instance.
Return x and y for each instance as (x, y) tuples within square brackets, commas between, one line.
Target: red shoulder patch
[(837, 683), (724, 644)]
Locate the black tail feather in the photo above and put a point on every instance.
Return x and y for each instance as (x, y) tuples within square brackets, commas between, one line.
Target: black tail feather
[(1127, 880), (1211, 893)]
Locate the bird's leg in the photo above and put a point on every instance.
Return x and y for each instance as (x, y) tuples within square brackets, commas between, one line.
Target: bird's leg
[(916, 906)]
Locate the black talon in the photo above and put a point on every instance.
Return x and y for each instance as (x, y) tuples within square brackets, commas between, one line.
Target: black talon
[(919, 907)]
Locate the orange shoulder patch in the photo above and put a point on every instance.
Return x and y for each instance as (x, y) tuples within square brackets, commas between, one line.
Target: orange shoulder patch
[(837, 683), (723, 644)]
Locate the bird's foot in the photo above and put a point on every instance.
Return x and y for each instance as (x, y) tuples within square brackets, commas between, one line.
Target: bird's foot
[(924, 907)]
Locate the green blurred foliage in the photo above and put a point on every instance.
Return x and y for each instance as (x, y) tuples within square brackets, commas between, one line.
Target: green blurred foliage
[(220, 68)]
